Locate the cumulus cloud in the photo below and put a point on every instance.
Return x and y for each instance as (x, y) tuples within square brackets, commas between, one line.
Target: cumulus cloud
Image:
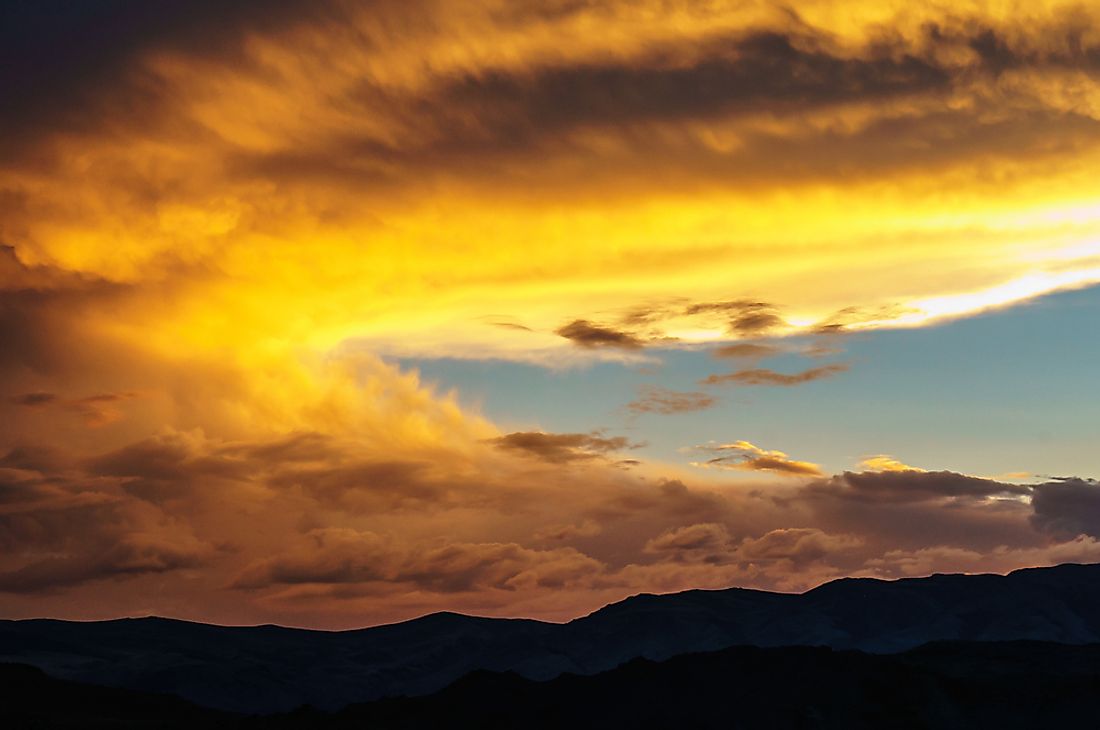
[(341, 556), (798, 544), (707, 541), (587, 528), (884, 462), (1067, 507), (60, 531), (336, 532), (914, 486), (128, 556)]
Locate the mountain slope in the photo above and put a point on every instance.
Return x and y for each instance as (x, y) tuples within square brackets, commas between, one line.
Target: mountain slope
[(958, 685), (1003, 685)]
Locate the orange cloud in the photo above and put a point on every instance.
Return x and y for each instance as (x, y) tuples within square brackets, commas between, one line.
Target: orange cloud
[(215, 214), (745, 456), (885, 462)]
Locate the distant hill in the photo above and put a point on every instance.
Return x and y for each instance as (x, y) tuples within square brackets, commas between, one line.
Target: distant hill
[(275, 669), (963, 685)]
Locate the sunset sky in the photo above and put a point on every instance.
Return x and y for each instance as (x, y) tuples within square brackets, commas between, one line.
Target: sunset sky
[(333, 313)]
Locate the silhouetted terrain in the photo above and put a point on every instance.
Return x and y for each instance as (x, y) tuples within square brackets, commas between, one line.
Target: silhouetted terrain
[(274, 669), (945, 685)]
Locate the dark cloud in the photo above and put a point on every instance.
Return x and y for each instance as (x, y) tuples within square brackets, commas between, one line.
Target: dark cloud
[(783, 549), (706, 542), (32, 458), (745, 316), (502, 566), (64, 529), (764, 376), (797, 545), (561, 448), (328, 555), (728, 75), (569, 531), (306, 446), (176, 466), (924, 140), (360, 485), (753, 322), (587, 334), (99, 410), (469, 124), (53, 515), (653, 399), (913, 486), (71, 66), (642, 325), (323, 520), (169, 458), (340, 556), (39, 333), (646, 314), (784, 70), (96, 410), (780, 465), (33, 400), (130, 556), (1067, 507), (671, 498), (72, 51)]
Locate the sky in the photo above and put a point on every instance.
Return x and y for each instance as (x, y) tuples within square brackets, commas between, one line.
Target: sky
[(339, 312)]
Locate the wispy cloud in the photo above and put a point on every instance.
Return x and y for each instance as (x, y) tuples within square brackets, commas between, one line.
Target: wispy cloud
[(764, 376), (655, 399), (561, 448), (744, 456)]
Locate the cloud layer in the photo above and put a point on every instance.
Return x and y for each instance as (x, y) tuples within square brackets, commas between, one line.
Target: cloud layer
[(185, 155), (216, 220), (326, 528)]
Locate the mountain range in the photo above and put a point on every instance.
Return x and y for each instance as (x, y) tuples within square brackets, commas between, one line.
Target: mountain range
[(943, 686), (272, 669)]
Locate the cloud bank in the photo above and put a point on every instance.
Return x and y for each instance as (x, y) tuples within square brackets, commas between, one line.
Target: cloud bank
[(216, 219)]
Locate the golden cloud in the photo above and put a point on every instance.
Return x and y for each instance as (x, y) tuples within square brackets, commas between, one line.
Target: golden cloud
[(210, 239)]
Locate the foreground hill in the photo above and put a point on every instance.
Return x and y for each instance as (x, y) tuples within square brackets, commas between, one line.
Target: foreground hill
[(275, 669), (1002, 685)]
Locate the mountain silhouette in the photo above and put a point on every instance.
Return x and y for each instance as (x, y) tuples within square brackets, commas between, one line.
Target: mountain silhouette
[(269, 669), (948, 685)]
